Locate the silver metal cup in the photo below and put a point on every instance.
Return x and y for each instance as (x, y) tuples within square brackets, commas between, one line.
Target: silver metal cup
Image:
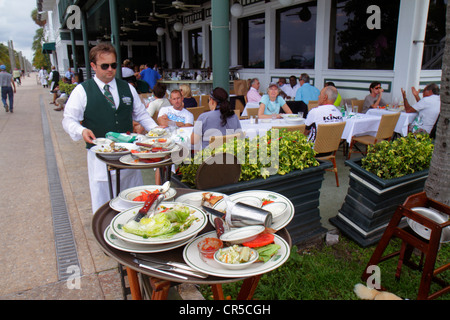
[(246, 215)]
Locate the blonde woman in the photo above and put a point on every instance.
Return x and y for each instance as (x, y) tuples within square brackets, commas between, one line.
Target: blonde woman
[(188, 100)]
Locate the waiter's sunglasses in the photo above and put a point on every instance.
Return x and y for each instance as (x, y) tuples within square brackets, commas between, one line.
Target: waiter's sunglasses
[(105, 66)]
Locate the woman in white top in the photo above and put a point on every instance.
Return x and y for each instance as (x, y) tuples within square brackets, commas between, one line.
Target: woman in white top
[(270, 103)]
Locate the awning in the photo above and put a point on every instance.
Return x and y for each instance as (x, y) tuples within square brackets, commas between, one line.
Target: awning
[(48, 47)]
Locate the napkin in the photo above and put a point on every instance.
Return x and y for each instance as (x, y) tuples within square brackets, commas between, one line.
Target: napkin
[(120, 137)]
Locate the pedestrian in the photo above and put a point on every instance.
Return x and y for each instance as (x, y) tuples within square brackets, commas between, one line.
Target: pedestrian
[(43, 75), (100, 105), (8, 88), (54, 78)]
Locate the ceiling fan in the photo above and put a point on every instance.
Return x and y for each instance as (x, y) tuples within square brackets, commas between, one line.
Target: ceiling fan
[(154, 15), (125, 28), (139, 23), (182, 6)]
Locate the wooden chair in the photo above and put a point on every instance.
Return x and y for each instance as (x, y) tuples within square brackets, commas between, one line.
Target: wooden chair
[(197, 98), (204, 100), (384, 132), (300, 127), (197, 111), (217, 141), (429, 247), (328, 138), (252, 112), (358, 103), (218, 170), (312, 104), (238, 105)]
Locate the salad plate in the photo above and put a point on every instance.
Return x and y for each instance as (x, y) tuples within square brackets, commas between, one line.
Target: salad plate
[(119, 244), (123, 217), (128, 159), (192, 257), (266, 198)]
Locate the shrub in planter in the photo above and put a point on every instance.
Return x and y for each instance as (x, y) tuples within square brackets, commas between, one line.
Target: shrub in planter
[(381, 181)]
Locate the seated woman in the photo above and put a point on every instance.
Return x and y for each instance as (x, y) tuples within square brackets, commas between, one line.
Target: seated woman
[(374, 99), (188, 100), (271, 103), (220, 121)]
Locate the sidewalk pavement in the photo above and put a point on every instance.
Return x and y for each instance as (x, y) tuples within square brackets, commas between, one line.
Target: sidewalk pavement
[(28, 256)]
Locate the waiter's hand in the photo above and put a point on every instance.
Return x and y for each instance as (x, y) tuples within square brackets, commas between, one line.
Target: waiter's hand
[(88, 136)]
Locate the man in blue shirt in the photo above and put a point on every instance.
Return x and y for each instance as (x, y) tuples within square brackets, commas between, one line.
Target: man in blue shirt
[(306, 91), (150, 76)]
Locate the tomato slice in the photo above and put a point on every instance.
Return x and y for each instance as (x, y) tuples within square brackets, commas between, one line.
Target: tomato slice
[(261, 240)]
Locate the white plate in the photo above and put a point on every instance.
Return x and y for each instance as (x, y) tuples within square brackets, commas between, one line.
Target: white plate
[(119, 205), (113, 155), (157, 133), (121, 245), (295, 120), (128, 159), (280, 222), (123, 217), (195, 198), (236, 266), (129, 194), (160, 154), (240, 235), (431, 214), (277, 209), (192, 257)]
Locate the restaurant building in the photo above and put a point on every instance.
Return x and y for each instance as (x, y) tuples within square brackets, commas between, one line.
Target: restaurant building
[(399, 43)]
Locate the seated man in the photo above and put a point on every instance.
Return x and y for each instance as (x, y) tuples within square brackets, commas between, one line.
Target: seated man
[(291, 88), (176, 112), (428, 107), (326, 112), (253, 93), (306, 92)]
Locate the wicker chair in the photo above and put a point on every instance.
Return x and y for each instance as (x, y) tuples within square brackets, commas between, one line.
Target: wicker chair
[(384, 132), (328, 138), (358, 103), (312, 104), (218, 170), (252, 112), (300, 127), (217, 141), (197, 111)]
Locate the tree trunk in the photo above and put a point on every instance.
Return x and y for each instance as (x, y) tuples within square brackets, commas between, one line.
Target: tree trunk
[(437, 185)]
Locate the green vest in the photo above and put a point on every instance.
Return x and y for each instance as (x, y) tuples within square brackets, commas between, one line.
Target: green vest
[(100, 117)]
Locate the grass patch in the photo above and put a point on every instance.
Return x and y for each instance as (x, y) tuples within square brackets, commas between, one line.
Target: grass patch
[(330, 273)]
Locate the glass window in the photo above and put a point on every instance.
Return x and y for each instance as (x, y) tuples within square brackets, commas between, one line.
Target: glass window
[(353, 45), (296, 36), (195, 48), (435, 35), (251, 41)]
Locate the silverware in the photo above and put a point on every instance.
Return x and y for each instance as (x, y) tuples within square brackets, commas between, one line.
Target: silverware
[(162, 271), (165, 268), (214, 212), (167, 263)]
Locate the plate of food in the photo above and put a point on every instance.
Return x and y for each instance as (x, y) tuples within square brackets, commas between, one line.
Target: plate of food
[(157, 133), (200, 198), (295, 118), (114, 150), (270, 256), (143, 152), (172, 222), (138, 195), (281, 207), (130, 160)]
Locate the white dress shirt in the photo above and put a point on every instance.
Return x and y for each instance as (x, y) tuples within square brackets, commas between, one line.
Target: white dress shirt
[(290, 91), (76, 105)]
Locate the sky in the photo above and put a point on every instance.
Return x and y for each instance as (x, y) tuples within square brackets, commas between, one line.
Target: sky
[(16, 25)]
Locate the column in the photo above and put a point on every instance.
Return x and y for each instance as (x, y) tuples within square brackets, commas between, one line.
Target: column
[(220, 12)]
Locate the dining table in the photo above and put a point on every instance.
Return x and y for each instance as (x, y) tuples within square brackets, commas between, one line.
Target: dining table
[(403, 121), (140, 277), (295, 106), (360, 124)]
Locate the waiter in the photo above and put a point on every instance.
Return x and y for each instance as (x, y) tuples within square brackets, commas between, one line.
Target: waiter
[(100, 105)]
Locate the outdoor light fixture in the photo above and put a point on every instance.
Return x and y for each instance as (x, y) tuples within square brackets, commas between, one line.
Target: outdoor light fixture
[(236, 9), (178, 26), (160, 31), (286, 3)]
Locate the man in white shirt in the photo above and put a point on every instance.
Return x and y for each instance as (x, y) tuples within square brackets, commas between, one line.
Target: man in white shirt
[(253, 93), (428, 107), (326, 112), (176, 113), (291, 88), (101, 105)]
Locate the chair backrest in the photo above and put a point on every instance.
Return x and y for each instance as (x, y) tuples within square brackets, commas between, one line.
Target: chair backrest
[(252, 111), (204, 98), (197, 111), (217, 141), (144, 96), (300, 127), (312, 104), (218, 170), (197, 98), (328, 137), (387, 126), (240, 87), (358, 103), (238, 105)]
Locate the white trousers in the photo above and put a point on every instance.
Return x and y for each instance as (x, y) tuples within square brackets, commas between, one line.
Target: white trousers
[(98, 180)]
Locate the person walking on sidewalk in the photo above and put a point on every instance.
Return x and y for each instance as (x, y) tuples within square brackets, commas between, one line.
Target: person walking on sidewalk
[(101, 105), (8, 88)]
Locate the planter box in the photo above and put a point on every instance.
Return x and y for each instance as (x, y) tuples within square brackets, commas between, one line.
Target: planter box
[(371, 202), (301, 187)]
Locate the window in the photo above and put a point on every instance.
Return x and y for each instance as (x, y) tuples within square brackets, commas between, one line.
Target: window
[(433, 50), (353, 45), (251, 41), (195, 48), (296, 36)]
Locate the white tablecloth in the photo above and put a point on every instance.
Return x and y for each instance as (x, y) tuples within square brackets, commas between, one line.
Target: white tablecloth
[(360, 125), (403, 121)]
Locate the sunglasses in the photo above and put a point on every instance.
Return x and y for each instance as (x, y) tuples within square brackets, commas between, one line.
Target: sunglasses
[(378, 88), (105, 66)]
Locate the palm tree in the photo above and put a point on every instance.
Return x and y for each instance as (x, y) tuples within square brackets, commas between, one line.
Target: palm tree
[(437, 186)]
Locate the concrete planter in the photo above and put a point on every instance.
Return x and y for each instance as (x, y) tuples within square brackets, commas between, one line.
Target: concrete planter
[(301, 187), (371, 202)]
